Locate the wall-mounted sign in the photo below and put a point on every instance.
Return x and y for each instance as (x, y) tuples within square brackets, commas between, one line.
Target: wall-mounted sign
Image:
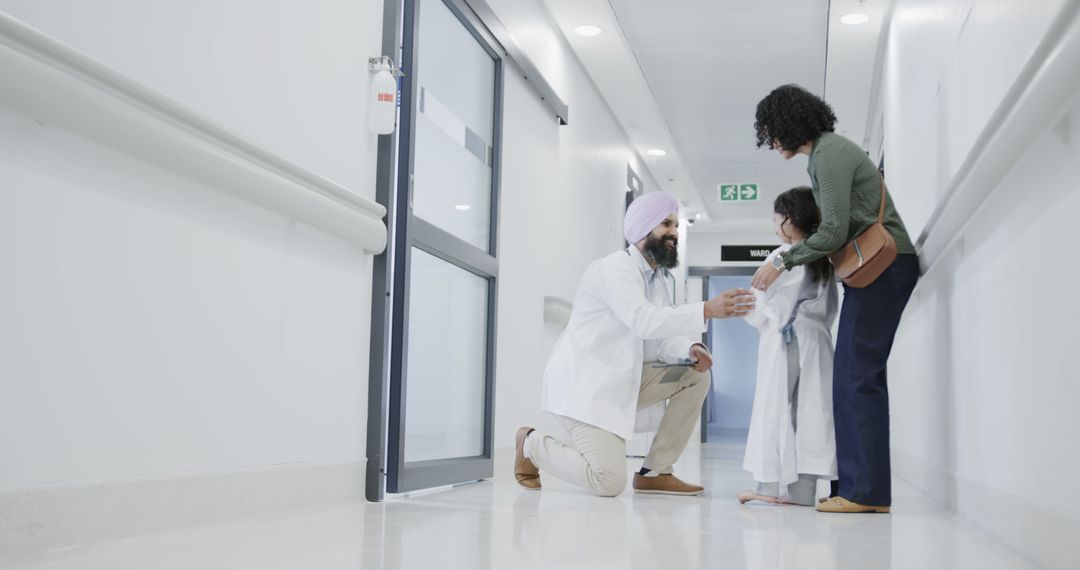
[(745, 252), (738, 192)]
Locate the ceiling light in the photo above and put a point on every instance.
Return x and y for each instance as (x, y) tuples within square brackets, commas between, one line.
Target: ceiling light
[(855, 18), (656, 152), (462, 207), (587, 31), (698, 217)]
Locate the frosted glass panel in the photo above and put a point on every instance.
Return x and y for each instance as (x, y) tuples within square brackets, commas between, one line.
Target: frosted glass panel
[(735, 348), (444, 414), (452, 167)]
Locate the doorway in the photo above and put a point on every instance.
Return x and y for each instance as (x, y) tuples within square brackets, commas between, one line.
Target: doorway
[(734, 346)]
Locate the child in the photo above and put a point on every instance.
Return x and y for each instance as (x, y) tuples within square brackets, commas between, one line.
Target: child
[(791, 443)]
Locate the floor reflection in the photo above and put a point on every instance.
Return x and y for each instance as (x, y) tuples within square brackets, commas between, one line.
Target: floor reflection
[(497, 525)]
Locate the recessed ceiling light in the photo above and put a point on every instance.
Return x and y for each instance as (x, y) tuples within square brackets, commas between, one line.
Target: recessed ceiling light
[(855, 18), (656, 152), (698, 217), (587, 30), (462, 207)]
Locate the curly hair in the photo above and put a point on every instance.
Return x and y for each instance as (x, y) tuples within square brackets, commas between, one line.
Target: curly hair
[(792, 116), (800, 209)]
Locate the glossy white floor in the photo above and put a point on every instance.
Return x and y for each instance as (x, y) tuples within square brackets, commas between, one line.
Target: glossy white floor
[(497, 525)]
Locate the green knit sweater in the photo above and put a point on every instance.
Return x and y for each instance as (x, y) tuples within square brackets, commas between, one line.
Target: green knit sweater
[(847, 189)]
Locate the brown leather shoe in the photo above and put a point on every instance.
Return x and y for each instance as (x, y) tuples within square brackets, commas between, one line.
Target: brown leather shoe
[(525, 472), (842, 505), (665, 484)]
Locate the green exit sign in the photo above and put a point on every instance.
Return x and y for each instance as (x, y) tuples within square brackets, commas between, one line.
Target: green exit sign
[(738, 192)]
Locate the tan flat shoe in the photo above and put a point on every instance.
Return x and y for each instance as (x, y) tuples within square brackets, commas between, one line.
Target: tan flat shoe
[(525, 472), (842, 505), (665, 484)]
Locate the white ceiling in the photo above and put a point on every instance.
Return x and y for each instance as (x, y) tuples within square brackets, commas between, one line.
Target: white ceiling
[(686, 75)]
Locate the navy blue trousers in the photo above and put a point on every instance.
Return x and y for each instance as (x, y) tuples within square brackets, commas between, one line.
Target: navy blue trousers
[(868, 321)]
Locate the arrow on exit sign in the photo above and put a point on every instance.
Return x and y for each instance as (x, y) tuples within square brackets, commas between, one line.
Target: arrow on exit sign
[(748, 192)]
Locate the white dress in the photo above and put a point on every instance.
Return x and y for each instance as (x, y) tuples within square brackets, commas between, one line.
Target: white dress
[(775, 450)]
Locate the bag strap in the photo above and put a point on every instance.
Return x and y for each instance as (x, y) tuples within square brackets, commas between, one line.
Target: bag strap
[(881, 211)]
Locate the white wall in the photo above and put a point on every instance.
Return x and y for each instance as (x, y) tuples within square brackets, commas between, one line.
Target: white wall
[(983, 390), (948, 65), (154, 327), (563, 192), (158, 328)]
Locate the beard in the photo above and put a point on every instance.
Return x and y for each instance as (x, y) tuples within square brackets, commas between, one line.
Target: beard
[(658, 250)]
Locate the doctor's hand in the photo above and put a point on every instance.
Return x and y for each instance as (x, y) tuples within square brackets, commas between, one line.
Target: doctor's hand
[(765, 276), (700, 355), (730, 303)]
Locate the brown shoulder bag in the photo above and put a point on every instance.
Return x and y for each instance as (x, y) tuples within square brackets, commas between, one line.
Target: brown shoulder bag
[(862, 261)]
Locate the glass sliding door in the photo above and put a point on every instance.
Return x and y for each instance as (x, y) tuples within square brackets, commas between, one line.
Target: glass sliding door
[(447, 359), (445, 277)]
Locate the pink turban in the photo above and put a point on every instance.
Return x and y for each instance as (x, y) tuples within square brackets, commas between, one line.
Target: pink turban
[(645, 213)]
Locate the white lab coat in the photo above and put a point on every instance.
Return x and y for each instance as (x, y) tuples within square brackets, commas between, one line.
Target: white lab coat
[(775, 451), (594, 372)]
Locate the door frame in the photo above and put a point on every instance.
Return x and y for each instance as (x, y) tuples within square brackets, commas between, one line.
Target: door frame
[(414, 232), (390, 282)]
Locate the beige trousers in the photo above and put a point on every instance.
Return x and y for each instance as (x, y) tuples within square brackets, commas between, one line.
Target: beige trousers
[(596, 459)]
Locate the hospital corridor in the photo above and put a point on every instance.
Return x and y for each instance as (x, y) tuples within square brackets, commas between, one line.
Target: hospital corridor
[(539, 284)]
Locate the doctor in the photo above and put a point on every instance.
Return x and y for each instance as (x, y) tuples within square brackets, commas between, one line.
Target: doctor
[(601, 369)]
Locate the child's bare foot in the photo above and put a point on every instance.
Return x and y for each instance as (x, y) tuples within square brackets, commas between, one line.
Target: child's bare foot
[(747, 496)]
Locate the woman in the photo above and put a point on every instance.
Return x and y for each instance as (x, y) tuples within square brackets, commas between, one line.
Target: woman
[(847, 188), (791, 443)]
